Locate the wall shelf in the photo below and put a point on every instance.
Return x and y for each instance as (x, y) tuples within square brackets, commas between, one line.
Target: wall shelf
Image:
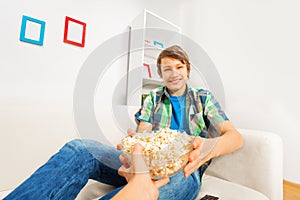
[(148, 33)]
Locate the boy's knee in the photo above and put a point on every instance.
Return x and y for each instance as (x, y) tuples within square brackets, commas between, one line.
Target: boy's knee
[(75, 142), (80, 145), (76, 146)]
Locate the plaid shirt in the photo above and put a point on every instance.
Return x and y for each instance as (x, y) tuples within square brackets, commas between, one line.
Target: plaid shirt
[(202, 110)]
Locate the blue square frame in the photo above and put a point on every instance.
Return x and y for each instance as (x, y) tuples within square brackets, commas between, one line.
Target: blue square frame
[(23, 30)]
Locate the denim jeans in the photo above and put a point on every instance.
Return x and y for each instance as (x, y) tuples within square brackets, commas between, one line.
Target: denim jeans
[(66, 173)]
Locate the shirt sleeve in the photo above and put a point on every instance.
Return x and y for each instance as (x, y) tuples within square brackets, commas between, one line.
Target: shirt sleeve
[(144, 114), (213, 110)]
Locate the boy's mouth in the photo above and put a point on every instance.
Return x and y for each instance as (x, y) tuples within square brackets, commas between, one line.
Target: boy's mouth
[(175, 81)]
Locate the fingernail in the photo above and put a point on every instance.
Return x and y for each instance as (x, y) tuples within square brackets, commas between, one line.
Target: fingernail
[(186, 175), (186, 169)]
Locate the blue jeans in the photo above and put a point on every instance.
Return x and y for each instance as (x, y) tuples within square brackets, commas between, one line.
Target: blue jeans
[(67, 172)]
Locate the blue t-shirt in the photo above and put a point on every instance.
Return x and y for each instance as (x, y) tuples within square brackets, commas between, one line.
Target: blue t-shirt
[(179, 120)]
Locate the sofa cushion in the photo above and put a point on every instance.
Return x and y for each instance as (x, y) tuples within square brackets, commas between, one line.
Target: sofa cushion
[(225, 190), (94, 190), (211, 185)]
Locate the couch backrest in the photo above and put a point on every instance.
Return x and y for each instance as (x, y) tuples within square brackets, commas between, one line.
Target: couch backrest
[(258, 164)]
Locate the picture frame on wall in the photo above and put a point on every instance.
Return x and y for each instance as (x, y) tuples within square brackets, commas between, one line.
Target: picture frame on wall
[(74, 32), (32, 30)]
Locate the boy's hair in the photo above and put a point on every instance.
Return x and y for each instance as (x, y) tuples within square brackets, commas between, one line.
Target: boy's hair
[(173, 52)]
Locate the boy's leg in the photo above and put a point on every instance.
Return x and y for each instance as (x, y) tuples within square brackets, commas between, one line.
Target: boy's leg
[(177, 189), (64, 175), (180, 187)]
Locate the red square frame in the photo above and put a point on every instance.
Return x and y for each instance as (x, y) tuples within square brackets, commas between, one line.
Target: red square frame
[(67, 29), (149, 70)]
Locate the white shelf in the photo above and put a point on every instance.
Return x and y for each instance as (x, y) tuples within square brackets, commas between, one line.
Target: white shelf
[(151, 51), (152, 47), (155, 21), (152, 82), (150, 55), (152, 42)]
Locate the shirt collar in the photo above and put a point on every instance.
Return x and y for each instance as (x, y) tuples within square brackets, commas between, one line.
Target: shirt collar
[(166, 93)]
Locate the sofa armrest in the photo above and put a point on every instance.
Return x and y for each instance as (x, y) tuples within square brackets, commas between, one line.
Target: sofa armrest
[(257, 165)]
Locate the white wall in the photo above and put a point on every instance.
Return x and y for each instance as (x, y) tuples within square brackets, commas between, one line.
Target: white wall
[(255, 46), (37, 83)]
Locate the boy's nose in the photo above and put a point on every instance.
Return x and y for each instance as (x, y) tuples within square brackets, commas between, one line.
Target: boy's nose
[(174, 72)]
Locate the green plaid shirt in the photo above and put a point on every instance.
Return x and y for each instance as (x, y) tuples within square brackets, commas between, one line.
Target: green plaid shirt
[(202, 110)]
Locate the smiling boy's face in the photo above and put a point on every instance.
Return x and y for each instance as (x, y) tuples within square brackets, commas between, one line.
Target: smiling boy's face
[(174, 74)]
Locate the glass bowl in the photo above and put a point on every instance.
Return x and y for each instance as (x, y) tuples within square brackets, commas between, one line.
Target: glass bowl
[(165, 151)]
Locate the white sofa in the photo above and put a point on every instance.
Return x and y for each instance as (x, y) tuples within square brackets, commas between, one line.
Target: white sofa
[(251, 173)]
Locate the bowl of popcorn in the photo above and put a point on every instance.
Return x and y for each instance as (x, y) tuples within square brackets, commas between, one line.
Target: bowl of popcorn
[(165, 151)]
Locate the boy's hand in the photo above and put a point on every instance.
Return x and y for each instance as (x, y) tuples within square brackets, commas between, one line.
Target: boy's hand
[(194, 157), (201, 153), (130, 132)]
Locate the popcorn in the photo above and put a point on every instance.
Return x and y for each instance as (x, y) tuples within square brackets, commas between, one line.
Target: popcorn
[(165, 151)]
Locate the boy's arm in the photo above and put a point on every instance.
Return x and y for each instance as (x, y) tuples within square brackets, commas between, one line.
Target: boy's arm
[(229, 141), (144, 127), (206, 149)]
